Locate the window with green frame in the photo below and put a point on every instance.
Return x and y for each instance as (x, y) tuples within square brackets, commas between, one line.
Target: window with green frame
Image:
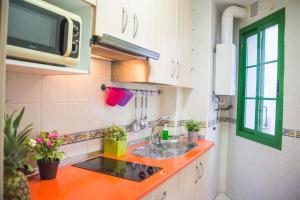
[(260, 90)]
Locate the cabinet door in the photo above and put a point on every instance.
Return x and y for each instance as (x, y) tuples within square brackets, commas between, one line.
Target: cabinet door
[(202, 184), (144, 23), (183, 63), (188, 181), (112, 17), (163, 71), (167, 191)]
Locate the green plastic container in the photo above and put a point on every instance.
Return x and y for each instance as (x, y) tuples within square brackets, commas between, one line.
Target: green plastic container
[(165, 133), (115, 148)]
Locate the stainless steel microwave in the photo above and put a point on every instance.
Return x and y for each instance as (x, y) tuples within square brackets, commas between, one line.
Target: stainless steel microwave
[(41, 32)]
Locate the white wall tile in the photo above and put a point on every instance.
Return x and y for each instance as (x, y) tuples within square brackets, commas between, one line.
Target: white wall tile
[(76, 149), (78, 88), (31, 115), (73, 103), (23, 88), (95, 92), (98, 116), (95, 145), (77, 117), (54, 116), (54, 89)]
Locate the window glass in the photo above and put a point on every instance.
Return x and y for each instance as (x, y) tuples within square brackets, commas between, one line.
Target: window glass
[(269, 80), (249, 113), (271, 43), (268, 116), (252, 50), (251, 82)]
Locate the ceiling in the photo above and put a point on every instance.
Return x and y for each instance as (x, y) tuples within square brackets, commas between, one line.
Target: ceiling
[(222, 4)]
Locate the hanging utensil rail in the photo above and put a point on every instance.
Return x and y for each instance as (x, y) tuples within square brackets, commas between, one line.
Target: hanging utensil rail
[(104, 87)]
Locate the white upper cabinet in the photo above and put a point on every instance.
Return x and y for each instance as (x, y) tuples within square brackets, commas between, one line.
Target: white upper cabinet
[(143, 23), (173, 67), (112, 18), (163, 71), (130, 20), (160, 26), (184, 43)]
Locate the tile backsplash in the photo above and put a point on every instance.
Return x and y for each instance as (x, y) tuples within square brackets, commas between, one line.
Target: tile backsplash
[(72, 103)]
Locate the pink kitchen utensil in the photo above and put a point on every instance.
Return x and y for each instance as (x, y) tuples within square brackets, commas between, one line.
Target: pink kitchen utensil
[(114, 96), (128, 95)]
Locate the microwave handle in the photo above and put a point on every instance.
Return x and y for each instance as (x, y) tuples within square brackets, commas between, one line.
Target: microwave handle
[(69, 37)]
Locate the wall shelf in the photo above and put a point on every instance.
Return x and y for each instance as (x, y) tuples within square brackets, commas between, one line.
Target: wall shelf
[(37, 68)]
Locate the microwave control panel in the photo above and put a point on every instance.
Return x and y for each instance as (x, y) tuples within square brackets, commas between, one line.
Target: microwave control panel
[(75, 40)]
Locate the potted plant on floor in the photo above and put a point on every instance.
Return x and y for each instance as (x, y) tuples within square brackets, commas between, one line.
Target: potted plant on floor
[(193, 127), (47, 154), (15, 158), (115, 141)]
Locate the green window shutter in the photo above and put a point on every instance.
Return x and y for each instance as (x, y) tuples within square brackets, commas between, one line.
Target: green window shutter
[(260, 85)]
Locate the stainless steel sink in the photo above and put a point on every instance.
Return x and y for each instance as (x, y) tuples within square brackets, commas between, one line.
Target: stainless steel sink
[(164, 149)]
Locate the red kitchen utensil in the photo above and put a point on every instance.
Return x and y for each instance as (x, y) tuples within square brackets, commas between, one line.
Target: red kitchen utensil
[(114, 95), (128, 95)]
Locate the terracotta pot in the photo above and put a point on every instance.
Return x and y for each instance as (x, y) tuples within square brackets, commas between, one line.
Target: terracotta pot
[(48, 170)]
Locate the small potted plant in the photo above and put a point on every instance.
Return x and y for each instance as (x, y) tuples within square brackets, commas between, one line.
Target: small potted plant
[(47, 154), (193, 127), (115, 141)]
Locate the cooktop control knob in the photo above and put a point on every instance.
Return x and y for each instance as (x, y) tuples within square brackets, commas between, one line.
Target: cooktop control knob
[(150, 170), (142, 175)]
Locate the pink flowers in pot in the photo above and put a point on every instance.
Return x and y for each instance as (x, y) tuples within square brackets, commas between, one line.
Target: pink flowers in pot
[(47, 145)]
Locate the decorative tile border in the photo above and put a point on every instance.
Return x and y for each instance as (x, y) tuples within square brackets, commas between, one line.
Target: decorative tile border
[(227, 119), (291, 133), (285, 132), (94, 134)]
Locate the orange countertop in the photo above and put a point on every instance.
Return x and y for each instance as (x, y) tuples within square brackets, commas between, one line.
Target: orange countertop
[(73, 183)]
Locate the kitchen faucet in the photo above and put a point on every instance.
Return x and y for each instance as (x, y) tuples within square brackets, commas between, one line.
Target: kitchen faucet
[(155, 124)]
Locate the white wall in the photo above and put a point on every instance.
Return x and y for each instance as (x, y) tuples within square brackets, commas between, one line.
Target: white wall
[(256, 171), (72, 103)]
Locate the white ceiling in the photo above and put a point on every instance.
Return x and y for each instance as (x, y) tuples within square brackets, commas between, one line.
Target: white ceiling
[(222, 4)]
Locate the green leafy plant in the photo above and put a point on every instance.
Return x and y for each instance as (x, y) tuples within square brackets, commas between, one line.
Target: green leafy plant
[(193, 125), (15, 157), (116, 133), (46, 146)]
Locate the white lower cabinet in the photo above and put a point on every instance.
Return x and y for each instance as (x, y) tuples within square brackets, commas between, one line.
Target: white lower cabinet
[(191, 183), (167, 191), (202, 183)]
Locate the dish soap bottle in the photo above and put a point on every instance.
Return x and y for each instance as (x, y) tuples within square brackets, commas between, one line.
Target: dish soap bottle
[(165, 132)]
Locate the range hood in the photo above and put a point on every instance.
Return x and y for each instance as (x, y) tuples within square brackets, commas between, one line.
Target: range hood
[(114, 49)]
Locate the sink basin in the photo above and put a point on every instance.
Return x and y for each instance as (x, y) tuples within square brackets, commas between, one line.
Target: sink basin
[(164, 149)]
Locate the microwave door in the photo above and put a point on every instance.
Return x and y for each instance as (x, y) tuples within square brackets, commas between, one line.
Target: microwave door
[(34, 32)]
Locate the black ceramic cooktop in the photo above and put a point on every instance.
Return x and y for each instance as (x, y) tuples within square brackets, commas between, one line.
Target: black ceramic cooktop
[(119, 168)]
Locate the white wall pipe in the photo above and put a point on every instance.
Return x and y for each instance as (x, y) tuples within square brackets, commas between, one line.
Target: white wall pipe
[(229, 14)]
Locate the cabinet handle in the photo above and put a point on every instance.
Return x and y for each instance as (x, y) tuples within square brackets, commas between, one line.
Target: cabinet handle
[(164, 195), (124, 19), (197, 174), (173, 69), (202, 171), (178, 70), (135, 25)]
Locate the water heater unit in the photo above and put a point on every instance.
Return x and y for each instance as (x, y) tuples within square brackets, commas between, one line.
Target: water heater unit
[(225, 76)]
